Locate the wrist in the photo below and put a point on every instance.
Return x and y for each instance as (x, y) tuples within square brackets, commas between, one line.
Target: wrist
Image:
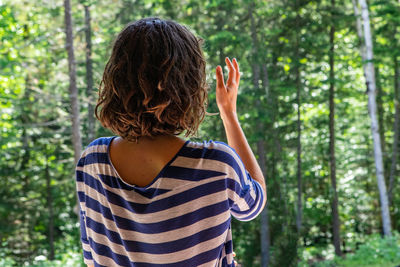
[(229, 116)]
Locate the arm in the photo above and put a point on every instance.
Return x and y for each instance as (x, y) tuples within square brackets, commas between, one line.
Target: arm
[(226, 101)]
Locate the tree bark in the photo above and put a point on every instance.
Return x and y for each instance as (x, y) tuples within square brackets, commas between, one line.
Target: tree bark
[(89, 76), (332, 160), (396, 129), (299, 214), (265, 237), (265, 228), (369, 74), (50, 209), (24, 165), (73, 90)]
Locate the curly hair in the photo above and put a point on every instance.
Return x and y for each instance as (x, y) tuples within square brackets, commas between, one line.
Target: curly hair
[(154, 82)]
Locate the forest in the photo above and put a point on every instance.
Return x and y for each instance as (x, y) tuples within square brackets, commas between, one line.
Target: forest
[(318, 100)]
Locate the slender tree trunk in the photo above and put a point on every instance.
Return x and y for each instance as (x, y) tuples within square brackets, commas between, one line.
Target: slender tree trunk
[(359, 27), (371, 89), (396, 129), (24, 165), (73, 90), (265, 238), (299, 214), (332, 160), (265, 229), (360, 34), (24, 117), (89, 76), (50, 209)]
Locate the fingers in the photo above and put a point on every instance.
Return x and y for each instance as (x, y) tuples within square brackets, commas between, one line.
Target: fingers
[(232, 72), (233, 76), (220, 77), (234, 255), (236, 65)]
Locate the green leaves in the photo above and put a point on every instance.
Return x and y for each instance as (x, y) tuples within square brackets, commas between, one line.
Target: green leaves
[(286, 38)]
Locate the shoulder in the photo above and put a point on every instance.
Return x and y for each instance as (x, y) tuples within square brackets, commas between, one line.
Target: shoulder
[(216, 150), (100, 141), (221, 146), (220, 154), (208, 145), (100, 145), (97, 146)]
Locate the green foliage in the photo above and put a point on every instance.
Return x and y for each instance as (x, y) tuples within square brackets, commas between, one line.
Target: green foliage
[(375, 251), (285, 249), (277, 40), (66, 259)]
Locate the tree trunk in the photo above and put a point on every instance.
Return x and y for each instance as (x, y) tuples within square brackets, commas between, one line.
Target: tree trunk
[(332, 160), (24, 118), (50, 209), (371, 89), (265, 229), (73, 90), (24, 167), (89, 77), (298, 88), (265, 237), (396, 129)]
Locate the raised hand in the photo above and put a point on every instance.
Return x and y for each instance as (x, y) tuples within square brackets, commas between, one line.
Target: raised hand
[(227, 93), (226, 101)]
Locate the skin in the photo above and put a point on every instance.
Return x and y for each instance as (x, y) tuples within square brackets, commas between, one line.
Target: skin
[(151, 155), (139, 163), (226, 101)]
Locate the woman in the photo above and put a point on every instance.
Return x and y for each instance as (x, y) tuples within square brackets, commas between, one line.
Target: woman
[(148, 197)]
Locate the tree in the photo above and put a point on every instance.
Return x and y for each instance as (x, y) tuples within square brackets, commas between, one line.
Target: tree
[(89, 76), (73, 90), (293, 46), (257, 67), (50, 207), (332, 159), (299, 214), (367, 55)]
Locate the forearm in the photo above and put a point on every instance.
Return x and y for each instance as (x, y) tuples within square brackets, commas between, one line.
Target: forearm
[(226, 101), (237, 140)]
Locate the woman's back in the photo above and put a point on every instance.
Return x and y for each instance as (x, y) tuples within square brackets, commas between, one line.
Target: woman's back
[(139, 163), (182, 217)]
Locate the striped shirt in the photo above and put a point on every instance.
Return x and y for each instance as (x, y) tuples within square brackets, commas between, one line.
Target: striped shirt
[(182, 218)]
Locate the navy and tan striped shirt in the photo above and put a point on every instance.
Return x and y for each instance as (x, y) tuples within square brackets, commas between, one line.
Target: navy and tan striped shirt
[(182, 218)]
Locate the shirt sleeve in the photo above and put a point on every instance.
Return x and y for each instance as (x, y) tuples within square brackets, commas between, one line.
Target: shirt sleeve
[(245, 194), (87, 255)]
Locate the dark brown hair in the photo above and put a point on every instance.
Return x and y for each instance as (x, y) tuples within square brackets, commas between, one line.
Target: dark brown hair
[(154, 82)]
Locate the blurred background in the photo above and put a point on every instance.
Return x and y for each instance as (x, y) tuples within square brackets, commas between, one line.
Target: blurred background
[(327, 143)]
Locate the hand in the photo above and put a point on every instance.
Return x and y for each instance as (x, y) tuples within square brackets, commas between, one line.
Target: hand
[(227, 94), (235, 262)]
